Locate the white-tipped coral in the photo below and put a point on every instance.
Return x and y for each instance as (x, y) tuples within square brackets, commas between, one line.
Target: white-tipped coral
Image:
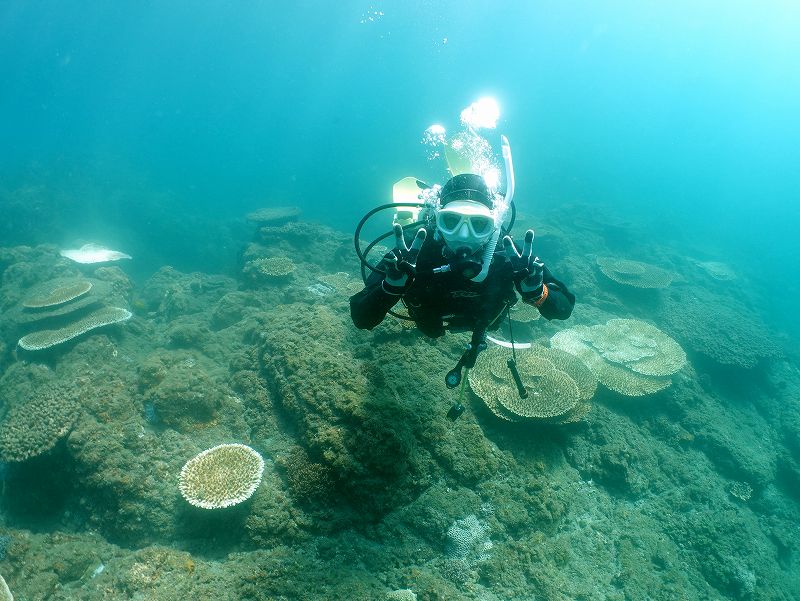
[(43, 339), (221, 476), (5, 592)]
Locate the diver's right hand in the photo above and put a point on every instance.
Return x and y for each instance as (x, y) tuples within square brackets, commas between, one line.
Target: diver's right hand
[(401, 262)]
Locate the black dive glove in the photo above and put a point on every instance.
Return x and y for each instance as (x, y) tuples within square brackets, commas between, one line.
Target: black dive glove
[(401, 262), (528, 269)]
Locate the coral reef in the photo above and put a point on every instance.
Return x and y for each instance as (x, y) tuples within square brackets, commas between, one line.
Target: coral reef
[(373, 492), (182, 392), (713, 326), (332, 249), (169, 293), (343, 416)]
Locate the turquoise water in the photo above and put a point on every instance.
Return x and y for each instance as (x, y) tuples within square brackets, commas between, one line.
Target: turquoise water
[(660, 132), (144, 114)]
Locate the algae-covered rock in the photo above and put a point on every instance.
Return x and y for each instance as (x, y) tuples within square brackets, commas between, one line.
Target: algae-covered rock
[(170, 293), (181, 392), (719, 327), (128, 476), (364, 441)]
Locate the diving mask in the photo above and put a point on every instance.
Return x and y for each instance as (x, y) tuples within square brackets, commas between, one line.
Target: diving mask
[(464, 223)]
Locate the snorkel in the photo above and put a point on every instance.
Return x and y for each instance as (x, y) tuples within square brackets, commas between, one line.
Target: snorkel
[(501, 209)]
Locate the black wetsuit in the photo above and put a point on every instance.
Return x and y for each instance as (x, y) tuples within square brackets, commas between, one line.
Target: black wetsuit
[(449, 301)]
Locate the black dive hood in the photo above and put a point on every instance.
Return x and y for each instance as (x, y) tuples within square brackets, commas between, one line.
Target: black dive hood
[(466, 186)]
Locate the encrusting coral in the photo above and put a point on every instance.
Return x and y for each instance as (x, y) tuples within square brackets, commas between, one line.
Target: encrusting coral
[(634, 273), (403, 594), (43, 339), (221, 476), (36, 425)]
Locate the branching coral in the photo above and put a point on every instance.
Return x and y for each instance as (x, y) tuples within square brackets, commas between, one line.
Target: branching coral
[(35, 426)]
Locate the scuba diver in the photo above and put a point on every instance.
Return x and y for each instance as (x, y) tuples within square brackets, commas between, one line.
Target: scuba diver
[(449, 273)]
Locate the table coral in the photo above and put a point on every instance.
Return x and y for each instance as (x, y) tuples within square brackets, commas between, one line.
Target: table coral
[(221, 476)]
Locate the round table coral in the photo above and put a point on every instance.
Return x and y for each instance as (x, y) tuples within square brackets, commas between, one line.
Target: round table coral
[(221, 476)]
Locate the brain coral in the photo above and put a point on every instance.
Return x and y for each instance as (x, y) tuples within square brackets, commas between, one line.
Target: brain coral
[(634, 273), (221, 476), (35, 426)]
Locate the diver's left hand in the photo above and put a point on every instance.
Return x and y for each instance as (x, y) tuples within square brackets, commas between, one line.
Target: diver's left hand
[(528, 269)]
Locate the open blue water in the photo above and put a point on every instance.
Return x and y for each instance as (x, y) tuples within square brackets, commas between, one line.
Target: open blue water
[(142, 117)]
